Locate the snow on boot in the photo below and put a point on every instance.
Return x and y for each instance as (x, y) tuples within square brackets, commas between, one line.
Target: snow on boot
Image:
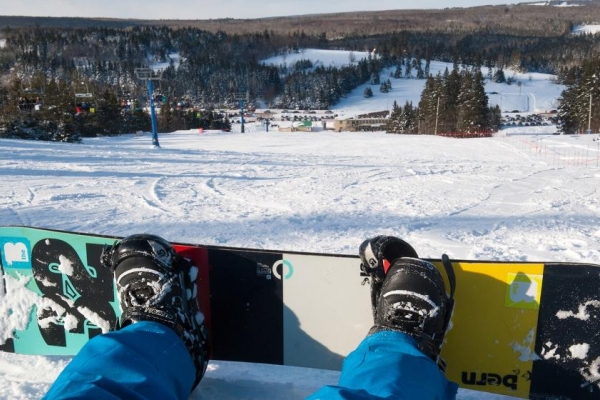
[(413, 300), (376, 256), (155, 284)]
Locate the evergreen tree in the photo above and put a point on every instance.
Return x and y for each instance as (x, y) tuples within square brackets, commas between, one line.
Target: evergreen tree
[(495, 118), (166, 119), (420, 72), (567, 115), (408, 70), (109, 113), (499, 76), (481, 109), (428, 106), (375, 79), (466, 104), (393, 123), (383, 88), (448, 115), (409, 119), (574, 102)]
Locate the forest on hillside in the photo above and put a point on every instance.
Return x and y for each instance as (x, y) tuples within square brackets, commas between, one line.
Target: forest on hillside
[(523, 19), (57, 59)]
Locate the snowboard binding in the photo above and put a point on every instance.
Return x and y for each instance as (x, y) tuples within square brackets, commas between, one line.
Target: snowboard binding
[(408, 294), (155, 284)]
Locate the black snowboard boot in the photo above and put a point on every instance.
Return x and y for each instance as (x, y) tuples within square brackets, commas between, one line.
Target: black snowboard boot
[(155, 284), (377, 255), (411, 297)]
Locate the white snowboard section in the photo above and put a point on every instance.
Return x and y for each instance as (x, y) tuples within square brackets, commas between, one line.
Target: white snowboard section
[(323, 300)]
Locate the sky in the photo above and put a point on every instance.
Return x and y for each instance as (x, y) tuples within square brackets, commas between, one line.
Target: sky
[(211, 9), (524, 195)]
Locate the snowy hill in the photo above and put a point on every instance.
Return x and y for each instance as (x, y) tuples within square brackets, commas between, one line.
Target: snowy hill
[(586, 29), (530, 92)]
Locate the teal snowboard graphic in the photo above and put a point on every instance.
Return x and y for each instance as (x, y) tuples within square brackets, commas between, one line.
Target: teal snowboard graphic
[(77, 299)]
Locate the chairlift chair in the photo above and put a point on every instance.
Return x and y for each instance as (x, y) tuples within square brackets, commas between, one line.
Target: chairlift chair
[(84, 99), (30, 98)]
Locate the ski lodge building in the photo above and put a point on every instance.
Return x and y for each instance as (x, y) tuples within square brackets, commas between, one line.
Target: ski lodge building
[(374, 121)]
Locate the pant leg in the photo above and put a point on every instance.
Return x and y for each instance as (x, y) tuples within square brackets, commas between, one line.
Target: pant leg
[(145, 360), (388, 365)]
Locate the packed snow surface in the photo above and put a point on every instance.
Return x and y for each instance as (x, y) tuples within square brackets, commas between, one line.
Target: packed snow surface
[(514, 197)]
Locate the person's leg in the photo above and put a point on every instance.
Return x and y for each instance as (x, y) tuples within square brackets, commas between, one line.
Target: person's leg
[(145, 360), (160, 347), (411, 310), (388, 365), (156, 284)]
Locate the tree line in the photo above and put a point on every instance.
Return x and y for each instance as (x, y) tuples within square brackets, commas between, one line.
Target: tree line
[(451, 102), (212, 70), (525, 19), (579, 104), (200, 71)]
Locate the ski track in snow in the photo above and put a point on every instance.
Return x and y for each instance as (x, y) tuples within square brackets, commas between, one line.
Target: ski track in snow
[(208, 188)]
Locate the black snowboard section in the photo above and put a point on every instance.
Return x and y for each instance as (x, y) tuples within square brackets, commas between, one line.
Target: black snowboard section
[(86, 286), (569, 296), (246, 307)]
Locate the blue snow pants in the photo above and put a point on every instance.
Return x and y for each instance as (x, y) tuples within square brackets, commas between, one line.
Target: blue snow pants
[(388, 365), (147, 360)]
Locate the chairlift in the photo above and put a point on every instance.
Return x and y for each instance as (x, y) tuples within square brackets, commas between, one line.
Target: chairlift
[(161, 95), (30, 98), (84, 99), (126, 98)]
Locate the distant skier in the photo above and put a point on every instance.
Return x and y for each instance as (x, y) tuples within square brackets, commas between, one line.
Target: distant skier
[(160, 347)]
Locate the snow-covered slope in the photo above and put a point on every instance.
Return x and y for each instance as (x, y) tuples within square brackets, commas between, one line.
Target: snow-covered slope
[(530, 92), (504, 198)]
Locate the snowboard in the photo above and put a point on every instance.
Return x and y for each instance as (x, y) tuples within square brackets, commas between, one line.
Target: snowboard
[(523, 329)]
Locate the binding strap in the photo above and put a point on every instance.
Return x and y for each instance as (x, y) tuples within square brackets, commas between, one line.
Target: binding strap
[(452, 281)]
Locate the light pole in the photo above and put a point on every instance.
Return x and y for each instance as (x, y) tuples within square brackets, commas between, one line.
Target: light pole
[(589, 129), (437, 114), (147, 74)]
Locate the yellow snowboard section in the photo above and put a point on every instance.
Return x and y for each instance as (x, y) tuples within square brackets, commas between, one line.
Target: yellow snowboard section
[(491, 342)]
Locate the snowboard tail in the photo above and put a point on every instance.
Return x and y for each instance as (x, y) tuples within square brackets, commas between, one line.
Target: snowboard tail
[(521, 329)]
